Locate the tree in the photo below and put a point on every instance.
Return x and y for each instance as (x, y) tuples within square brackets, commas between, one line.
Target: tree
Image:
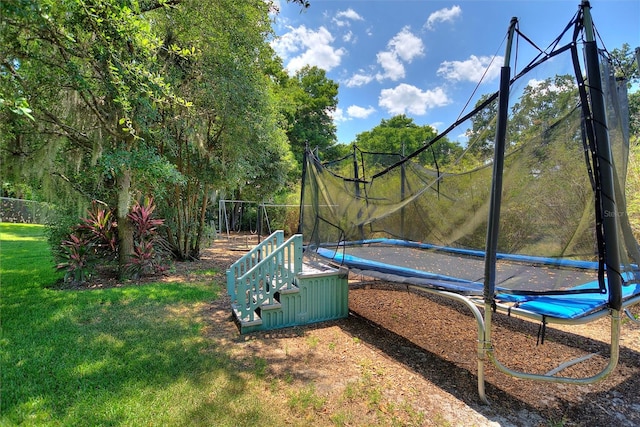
[(89, 73), (313, 100), (625, 64), (89, 94), (541, 105), (482, 134), (401, 136), (231, 139)]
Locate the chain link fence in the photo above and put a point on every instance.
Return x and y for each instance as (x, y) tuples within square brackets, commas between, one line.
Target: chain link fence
[(24, 211)]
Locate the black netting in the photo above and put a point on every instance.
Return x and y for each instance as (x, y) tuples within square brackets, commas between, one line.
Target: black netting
[(418, 222)]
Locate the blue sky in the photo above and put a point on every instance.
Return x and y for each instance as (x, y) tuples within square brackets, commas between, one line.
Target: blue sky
[(424, 58)]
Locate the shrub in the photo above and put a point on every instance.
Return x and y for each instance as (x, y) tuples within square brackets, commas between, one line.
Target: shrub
[(101, 230), (60, 225), (76, 251), (148, 244), (91, 241), (95, 241)]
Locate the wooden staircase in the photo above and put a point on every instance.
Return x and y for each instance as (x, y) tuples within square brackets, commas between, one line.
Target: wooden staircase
[(270, 287)]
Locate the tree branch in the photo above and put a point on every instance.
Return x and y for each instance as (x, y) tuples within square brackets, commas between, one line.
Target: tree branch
[(149, 5)]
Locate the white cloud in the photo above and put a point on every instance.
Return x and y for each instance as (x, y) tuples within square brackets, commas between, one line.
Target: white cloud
[(438, 126), (406, 98), (393, 68), (348, 37), (338, 115), (534, 83), (349, 14), (342, 18), (406, 45), (358, 79), (360, 112), (443, 15), (472, 70), (315, 48), (544, 87)]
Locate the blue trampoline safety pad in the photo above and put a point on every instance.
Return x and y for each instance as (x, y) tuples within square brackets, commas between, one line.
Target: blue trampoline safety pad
[(569, 306)]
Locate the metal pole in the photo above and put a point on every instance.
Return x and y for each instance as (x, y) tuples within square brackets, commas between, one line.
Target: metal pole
[(356, 182), (498, 166), (303, 185), (496, 196), (605, 164)]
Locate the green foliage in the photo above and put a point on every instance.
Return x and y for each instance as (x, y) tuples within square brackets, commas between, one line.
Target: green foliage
[(18, 106), (91, 76), (231, 141), (482, 134), (634, 116), (401, 136), (143, 98), (17, 190), (285, 216), (90, 242), (62, 222), (541, 105), (313, 97), (633, 190), (153, 172), (625, 64)]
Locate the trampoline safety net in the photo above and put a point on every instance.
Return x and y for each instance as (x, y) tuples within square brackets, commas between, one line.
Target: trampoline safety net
[(410, 219)]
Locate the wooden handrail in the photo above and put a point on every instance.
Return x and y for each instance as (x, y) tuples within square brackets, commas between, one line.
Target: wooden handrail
[(253, 281)]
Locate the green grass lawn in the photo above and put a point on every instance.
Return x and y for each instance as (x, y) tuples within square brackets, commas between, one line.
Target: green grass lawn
[(133, 355), (143, 355)]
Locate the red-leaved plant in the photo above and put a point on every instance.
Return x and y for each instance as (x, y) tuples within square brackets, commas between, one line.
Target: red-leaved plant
[(101, 228), (76, 252), (147, 241), (95, 240)]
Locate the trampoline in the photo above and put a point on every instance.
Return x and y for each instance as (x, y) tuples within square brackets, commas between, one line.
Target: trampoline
[(529, 218), (460, 271)]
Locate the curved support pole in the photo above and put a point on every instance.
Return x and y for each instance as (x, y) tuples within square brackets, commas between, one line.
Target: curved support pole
[(565, 365), (631, 316), (613, 359), (481, 333)]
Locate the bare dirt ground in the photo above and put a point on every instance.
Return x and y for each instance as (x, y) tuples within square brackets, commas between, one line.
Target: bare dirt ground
[(407, 359)]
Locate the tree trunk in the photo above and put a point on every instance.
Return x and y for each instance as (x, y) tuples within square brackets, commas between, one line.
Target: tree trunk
[(125, 229), (201, 222)]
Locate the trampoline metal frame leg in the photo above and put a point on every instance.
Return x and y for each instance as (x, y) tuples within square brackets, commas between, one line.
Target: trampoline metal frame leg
[(482, 346), (485, 349)]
